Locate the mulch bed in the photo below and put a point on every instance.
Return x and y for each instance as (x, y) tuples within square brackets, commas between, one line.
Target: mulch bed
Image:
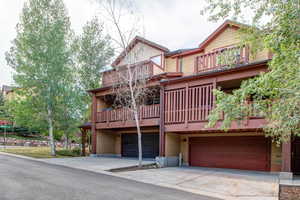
[(134, 168)]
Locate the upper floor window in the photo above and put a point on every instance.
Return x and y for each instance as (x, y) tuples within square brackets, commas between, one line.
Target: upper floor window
[(180, 64), (157, 60)]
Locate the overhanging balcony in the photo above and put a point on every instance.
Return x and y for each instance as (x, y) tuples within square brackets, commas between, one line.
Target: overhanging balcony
[(187, 109), (226, 57), (123, 117), (144, 69)]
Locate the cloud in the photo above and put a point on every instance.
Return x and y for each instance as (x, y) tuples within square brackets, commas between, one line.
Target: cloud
[(9, 16)]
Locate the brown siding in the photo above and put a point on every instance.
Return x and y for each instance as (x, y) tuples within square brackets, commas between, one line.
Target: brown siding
[(184, 148), (228, 37), (232, 36), (172, 144), (118, 144), (189, 64), (106, 143), (275, 158), (170, 65), (140, 52)]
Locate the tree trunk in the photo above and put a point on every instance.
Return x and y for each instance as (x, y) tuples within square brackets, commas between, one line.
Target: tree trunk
[(51, 136), (66, 143), (137, 122)]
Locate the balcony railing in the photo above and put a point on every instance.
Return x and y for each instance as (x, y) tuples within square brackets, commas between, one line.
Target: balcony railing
[(221, 58), (194, 104), (188, 105), (124, 114), (139, 71)]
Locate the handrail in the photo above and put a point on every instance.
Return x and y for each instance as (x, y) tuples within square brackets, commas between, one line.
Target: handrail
[(141, 70), (124, 114), (221, 58)]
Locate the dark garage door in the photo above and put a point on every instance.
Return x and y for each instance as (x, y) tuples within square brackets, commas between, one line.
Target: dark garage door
[(245, 152), (150, 145)]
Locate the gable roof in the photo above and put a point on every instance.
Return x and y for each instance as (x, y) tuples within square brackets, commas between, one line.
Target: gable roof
[(211, 37), (219, 30), (178, 51), (136, 40)]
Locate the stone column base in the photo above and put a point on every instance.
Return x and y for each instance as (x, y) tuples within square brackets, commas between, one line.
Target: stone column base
[(170, 161), (106, 155), (285, 175)]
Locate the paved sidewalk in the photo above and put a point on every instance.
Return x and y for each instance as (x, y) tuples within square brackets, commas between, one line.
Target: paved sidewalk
[(96, 164)]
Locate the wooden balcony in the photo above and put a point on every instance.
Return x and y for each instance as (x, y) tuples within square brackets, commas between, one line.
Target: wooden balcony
[(187, 105), (226, 57), (123, 117), (144, 69), (187, 109)]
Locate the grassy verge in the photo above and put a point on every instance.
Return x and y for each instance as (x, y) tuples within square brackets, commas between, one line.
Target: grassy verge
[(41, 152)]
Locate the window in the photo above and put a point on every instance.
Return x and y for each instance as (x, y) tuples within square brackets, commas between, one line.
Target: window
[(157, 60), (180, 65)]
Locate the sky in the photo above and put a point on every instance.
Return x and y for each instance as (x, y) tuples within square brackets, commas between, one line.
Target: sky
[(172, 23)]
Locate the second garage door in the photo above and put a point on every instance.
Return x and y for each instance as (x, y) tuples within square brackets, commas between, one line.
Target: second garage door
[(150, 145), (245, 152)]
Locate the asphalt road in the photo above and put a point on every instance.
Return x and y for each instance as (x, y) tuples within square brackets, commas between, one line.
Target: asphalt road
[(22, 179)]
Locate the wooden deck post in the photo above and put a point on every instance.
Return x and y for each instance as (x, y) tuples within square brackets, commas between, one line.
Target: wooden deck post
[(286, 156), (186, 105), (162, 124), (286, 169), (83, 141), (94, 118)]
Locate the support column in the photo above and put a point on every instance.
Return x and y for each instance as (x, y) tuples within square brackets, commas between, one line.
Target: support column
[(286, 171), (94, 118), (83, 141), (162, 124)]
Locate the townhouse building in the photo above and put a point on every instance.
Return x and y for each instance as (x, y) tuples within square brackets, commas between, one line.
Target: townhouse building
[(174, 120)]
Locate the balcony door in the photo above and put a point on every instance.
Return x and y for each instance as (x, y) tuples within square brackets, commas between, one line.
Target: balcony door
[(296, 156)]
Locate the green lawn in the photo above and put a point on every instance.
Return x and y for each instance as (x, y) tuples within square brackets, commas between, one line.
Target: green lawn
[(39, 152)]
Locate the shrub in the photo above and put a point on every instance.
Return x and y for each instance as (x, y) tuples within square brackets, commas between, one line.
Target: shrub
[(72, 153), (76, 151)]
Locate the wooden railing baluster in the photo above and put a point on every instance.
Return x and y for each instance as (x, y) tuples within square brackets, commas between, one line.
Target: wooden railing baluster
[(123, 114), (210, 60)]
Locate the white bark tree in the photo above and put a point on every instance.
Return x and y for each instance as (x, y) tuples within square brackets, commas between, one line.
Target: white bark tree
[(131, 88)]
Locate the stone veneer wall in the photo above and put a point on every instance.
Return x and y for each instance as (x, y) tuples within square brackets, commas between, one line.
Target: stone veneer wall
[(289, 192), (19, 142), (31, 143)]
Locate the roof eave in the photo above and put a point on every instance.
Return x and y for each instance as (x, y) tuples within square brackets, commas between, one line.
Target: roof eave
[(215, 72)]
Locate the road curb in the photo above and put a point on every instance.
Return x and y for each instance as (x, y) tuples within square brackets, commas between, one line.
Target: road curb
[(19, 156)]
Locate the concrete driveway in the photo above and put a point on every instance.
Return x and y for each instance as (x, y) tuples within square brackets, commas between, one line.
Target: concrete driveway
[(219, 183)]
